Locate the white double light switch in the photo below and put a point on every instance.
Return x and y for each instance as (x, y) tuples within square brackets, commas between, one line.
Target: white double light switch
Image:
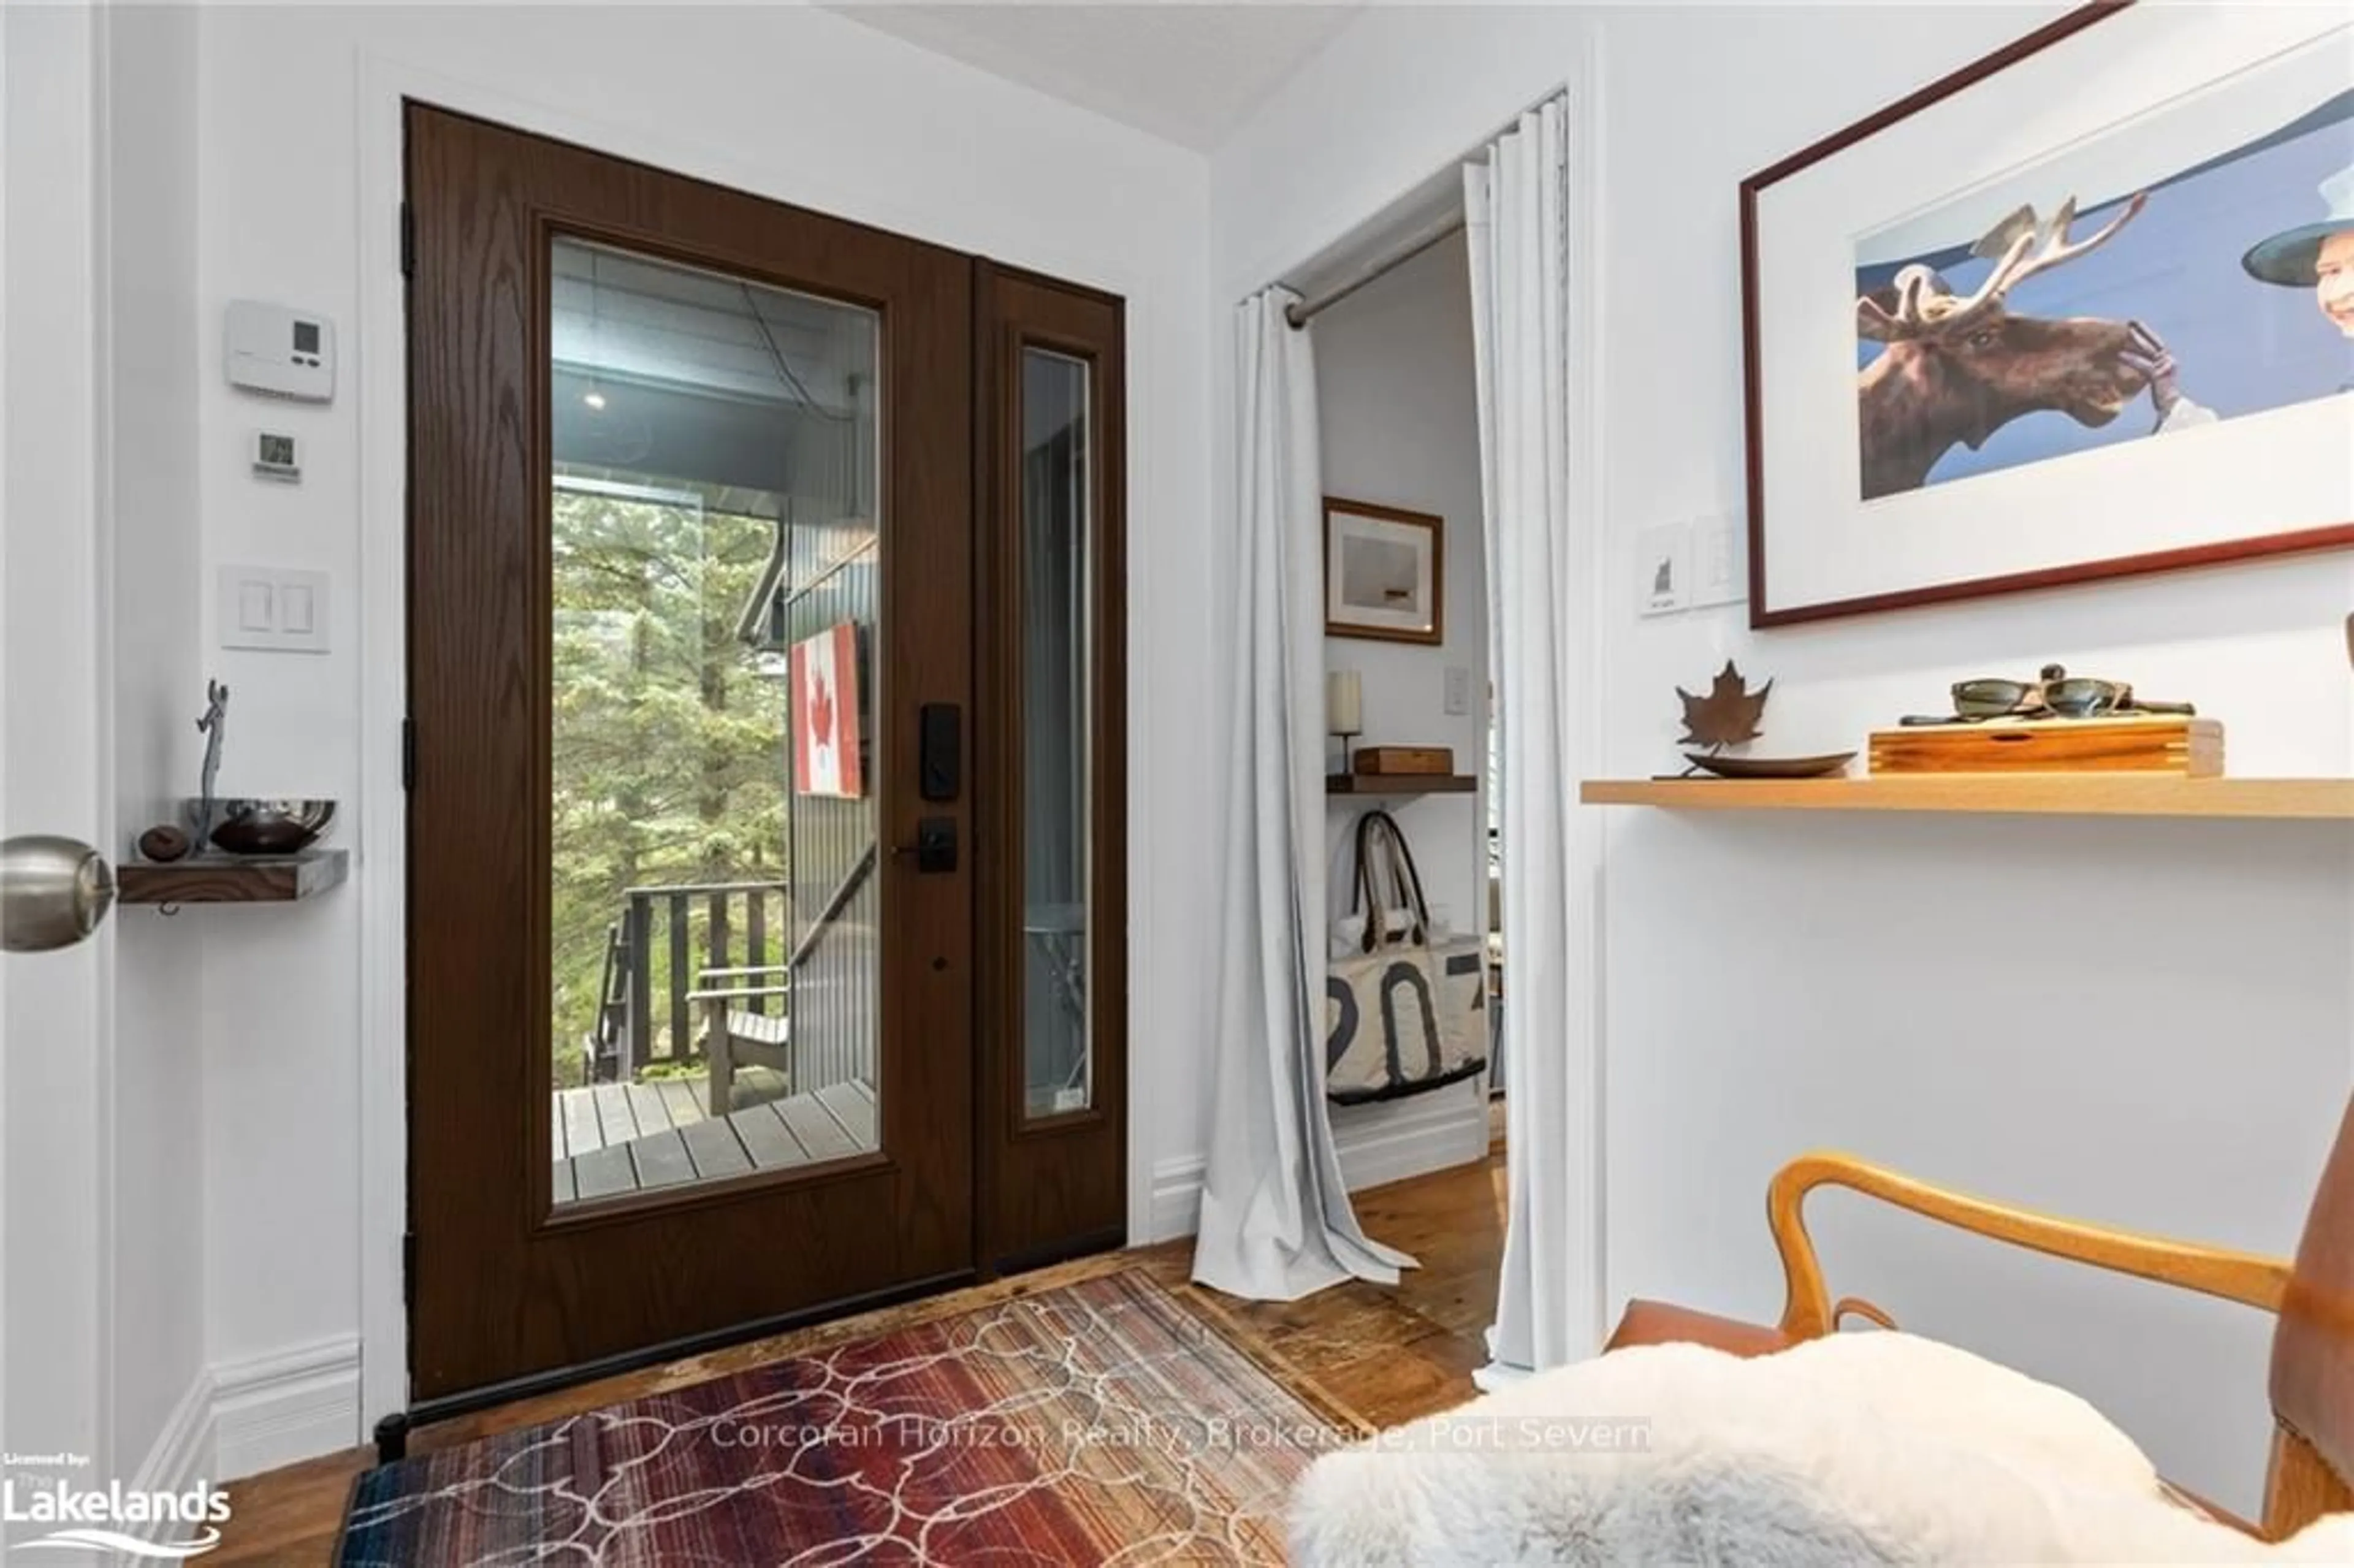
[(1457, 697), (274, 609)]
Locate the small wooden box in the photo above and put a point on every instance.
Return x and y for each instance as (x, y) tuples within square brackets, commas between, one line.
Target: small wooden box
[(2160, 743), (1389, 761)]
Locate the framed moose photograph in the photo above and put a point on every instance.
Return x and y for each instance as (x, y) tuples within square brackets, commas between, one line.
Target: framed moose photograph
[(1385, 573), (2082, 308)]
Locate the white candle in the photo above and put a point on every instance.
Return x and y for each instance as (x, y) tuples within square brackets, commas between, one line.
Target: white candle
[(1344, 703)]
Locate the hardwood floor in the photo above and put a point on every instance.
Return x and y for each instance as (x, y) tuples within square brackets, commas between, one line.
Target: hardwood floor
[(1389, 1354)]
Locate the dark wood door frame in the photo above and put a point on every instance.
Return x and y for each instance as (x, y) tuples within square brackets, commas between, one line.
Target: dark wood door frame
[(501, 1289), (1055, 1187), (972, 1188)]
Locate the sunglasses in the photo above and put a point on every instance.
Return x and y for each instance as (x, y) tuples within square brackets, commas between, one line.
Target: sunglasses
[(2057, 692)]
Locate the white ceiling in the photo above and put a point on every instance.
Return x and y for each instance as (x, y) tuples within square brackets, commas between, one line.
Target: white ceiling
[(1187, 73)]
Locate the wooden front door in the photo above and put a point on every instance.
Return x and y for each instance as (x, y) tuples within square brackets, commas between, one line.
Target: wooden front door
[(692, 949)]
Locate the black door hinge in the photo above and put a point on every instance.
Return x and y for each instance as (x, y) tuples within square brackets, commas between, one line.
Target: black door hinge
[(407, 241), (408, 1268), (409, 754)]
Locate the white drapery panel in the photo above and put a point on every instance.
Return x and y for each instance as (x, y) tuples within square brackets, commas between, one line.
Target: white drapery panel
[(1540, 598), (1276, 1220)]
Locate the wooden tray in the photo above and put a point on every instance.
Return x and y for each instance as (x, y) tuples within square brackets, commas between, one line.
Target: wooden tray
[(1398, 759), (2160, 743)]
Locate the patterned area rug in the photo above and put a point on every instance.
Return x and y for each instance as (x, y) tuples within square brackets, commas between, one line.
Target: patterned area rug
[(1102, 1421)]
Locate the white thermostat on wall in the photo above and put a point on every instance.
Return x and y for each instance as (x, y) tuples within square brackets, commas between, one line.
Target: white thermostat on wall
[(281, 352)]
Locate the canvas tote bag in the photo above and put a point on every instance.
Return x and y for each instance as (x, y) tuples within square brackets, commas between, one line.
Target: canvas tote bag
[(1405, 1014)]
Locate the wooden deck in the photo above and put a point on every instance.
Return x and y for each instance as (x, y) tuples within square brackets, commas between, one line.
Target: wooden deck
[(611, 1139)]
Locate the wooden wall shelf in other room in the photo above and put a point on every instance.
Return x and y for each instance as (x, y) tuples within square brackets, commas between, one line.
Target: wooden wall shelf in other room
[(1400, 783), (232, 879), (2041, 794)]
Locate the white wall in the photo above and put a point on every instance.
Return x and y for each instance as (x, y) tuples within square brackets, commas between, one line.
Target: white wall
[(795, 104), (155, 1319), (1398, 420), (2173, 1036), (2181, 1070), (1399, 424)]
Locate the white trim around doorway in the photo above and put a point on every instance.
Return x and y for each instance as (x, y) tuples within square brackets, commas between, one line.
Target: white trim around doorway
[(1579, 1120)]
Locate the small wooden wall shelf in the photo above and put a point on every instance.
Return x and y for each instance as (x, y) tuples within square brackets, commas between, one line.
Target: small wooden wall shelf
[(232, 879), (1400, 783), (2068, 795)]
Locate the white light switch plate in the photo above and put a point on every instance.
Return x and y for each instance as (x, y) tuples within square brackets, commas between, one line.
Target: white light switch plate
[(1719, 565), (274, 609), (1458, 689)]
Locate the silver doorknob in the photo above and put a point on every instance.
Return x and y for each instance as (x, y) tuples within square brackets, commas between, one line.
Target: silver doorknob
[(53, 892)]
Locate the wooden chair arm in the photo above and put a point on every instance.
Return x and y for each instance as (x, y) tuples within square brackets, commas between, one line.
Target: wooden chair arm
[(1807, 1309), (738, 994)]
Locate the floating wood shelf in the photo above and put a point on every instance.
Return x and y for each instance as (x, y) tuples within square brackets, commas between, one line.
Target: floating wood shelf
[(1400, 783), (2045, 794), (232, 879)]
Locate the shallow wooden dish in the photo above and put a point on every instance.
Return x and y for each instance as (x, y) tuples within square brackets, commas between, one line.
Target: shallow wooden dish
[(1771, 767)]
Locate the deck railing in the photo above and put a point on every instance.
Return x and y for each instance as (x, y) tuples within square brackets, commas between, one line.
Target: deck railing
[(666, 937), (671, 940)]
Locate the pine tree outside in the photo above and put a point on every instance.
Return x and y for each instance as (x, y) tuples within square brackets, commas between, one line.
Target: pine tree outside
[(668, 731)]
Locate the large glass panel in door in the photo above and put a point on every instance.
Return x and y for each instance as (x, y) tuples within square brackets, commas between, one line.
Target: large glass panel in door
[(714, 597), (1057, 664)]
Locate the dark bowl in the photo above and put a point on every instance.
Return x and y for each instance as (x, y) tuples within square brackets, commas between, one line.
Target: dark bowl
[(245, 825)]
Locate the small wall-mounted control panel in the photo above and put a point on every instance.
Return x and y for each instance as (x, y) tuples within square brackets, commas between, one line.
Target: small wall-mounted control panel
[(280, 352), (277, 457), (274, 610)]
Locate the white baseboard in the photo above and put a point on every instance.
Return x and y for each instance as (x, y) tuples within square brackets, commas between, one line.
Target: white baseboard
[(1384, 1143), (181, 1456), (297, 1404), (1177, 1197), (183, 1452), (1378, 1144)]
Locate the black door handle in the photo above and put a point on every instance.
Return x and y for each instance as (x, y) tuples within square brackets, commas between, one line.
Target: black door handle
[(935, 848)]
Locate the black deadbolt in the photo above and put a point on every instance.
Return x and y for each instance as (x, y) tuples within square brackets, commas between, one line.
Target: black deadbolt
[(939, 751)]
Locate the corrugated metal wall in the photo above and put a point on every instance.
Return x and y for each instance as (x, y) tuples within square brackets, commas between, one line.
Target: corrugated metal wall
[(834, 919)]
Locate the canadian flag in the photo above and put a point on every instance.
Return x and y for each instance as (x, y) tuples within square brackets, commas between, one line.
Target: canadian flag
[(825, 713)]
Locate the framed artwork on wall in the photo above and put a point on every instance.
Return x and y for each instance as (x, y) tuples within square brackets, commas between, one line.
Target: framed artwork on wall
[(2082, 308), (1385, 573)]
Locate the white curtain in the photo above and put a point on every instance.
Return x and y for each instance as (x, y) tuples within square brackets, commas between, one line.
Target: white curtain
[(1516, 202), (1276, 1220)]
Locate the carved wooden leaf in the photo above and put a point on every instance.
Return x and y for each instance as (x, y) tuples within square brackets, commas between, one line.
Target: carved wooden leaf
[(1728, 715)]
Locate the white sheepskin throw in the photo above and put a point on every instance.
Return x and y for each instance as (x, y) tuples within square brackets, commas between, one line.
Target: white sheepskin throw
[(1856, 1448)]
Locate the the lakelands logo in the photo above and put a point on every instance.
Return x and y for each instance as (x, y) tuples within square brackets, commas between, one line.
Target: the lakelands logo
[(157, 1525)]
